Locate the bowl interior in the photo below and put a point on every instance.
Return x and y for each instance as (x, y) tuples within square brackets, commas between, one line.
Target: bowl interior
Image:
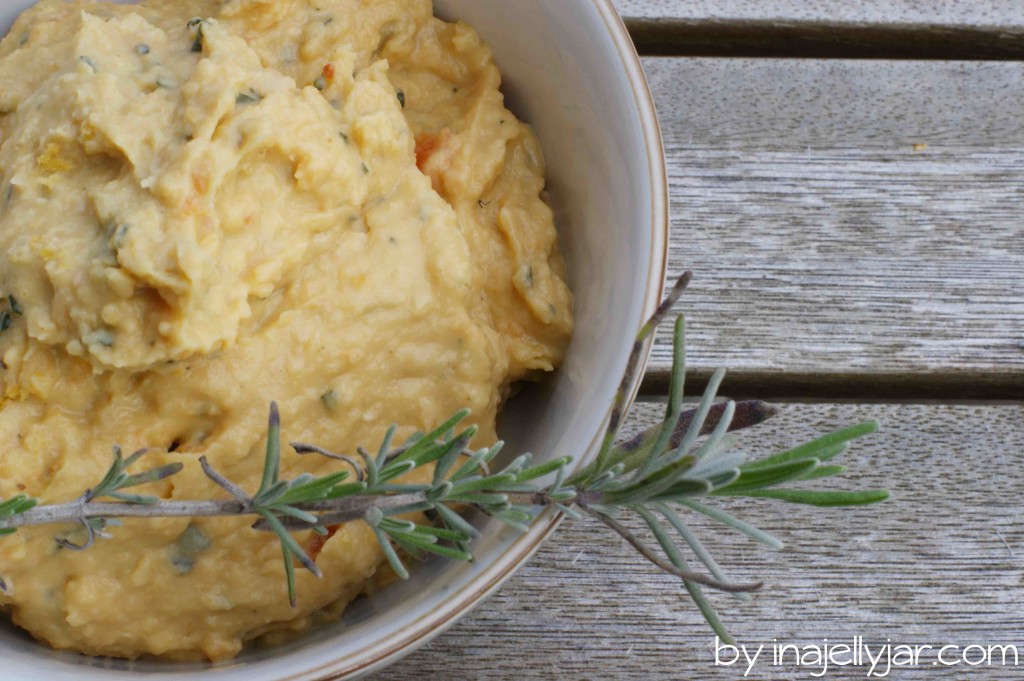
[(569, 71)]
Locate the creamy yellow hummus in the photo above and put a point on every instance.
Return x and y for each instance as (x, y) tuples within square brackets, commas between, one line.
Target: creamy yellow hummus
[(324, 203)]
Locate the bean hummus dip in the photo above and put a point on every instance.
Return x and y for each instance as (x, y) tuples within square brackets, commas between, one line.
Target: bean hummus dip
[(207, 205)]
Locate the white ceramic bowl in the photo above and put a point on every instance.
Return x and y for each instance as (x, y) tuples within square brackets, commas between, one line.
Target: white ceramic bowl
[(571, 71)]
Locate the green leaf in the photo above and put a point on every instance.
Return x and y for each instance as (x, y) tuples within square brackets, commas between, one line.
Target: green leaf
[(823, 449), (763, 478), (457, 445), (698, 548), (512, 520), (342, 491), (431, 438), (740, 526), (154, 475), (447, 460), (443, 533), (372, 471), (695, 590), (413, 551), (825, 499), (543, 469), (16, 505), (272, 494), (272, 462), (391, 525), (491, 484), (395, 470), (296, 513), (658, 481), (697, 425), (474, 464), (824, 472), (289, 543), (316, 490), (711, 445), (289, 572), (685, 489), (675, 400), (385, 445), (435, 548), (109, 482), (454, 521), (390, 554)]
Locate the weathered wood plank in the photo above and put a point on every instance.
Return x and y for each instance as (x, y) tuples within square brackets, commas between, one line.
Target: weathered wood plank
[(989, 29), (854, 226), (942, 563)]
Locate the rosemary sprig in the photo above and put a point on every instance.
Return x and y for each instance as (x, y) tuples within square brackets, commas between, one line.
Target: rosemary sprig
[(663, 476)]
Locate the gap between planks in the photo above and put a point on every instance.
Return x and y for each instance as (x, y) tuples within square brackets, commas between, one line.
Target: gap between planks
[(949, 388), (823, 40)]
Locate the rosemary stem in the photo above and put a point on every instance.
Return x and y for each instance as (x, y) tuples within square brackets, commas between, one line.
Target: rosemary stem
[(336, 511), (583, 497)]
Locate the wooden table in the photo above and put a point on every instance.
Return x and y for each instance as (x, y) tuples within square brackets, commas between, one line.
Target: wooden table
[(847, 182)]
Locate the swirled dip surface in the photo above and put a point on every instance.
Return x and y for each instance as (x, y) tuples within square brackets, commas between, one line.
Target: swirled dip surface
[(320, 203)]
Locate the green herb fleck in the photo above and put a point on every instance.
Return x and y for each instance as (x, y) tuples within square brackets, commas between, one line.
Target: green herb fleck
[(250, 97), (88, 62), (401, 98), (193, 542), (142, 49), (166, 83), (320, 83), (118, 239), (190, 544), (344, 137), (366, 169), (330, 400), (102, 337), (7, 316)]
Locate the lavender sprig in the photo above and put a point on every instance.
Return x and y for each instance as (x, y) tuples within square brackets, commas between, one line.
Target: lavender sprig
[(663, 476)]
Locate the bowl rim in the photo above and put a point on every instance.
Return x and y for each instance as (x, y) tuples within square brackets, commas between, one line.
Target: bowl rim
[(424, 629)]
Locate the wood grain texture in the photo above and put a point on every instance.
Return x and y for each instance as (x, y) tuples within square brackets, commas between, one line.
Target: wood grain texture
[(902, 29), (942, 563), (855, 227)]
